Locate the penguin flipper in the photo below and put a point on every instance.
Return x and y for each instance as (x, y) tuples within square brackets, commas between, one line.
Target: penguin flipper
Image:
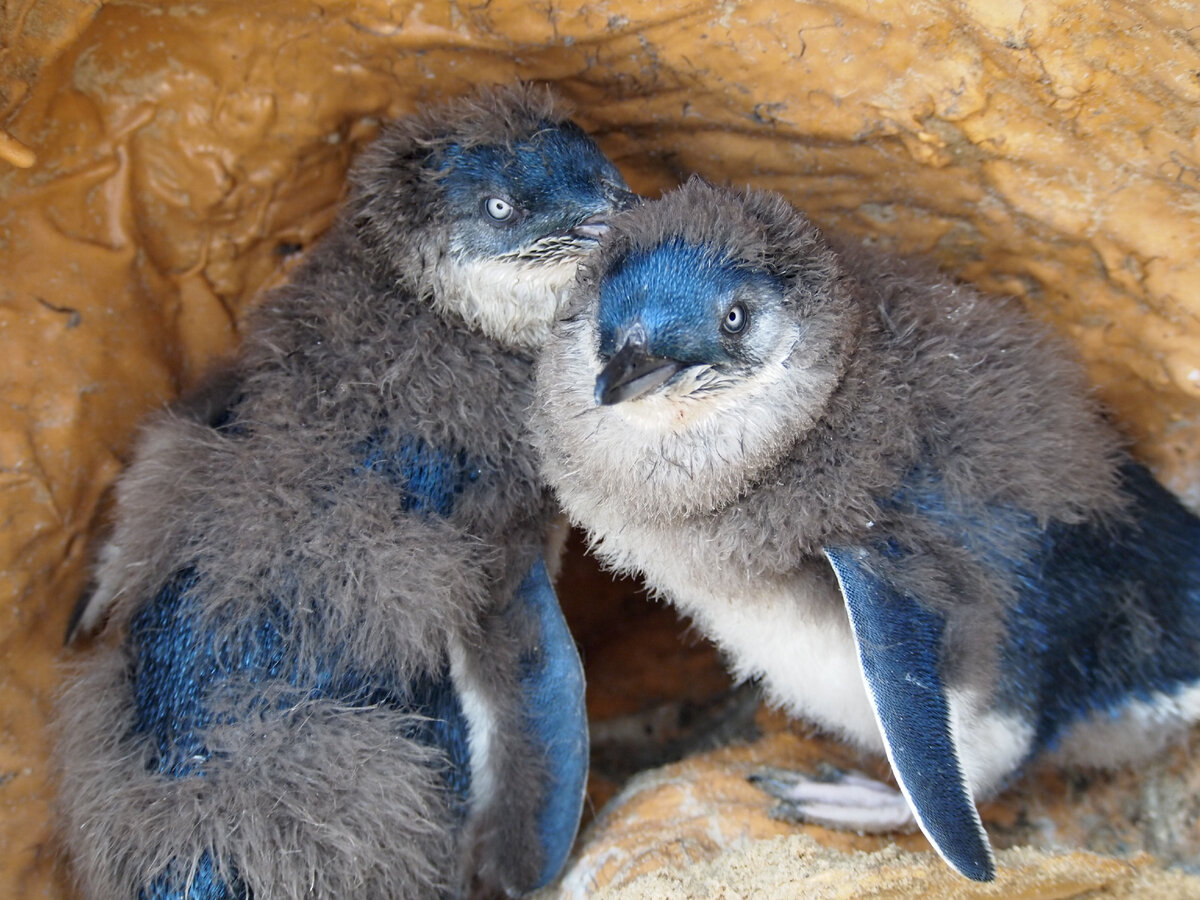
[(899, 643), (552, 688)]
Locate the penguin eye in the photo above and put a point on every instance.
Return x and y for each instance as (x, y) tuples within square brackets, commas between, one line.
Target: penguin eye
[(735, 320), (498, 208)]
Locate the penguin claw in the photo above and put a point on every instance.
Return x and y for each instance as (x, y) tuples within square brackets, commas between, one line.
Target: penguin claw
[(847, 801)]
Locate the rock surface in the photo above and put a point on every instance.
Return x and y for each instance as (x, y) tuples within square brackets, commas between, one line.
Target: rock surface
[(160, 163), (785, 868), (698, 828)]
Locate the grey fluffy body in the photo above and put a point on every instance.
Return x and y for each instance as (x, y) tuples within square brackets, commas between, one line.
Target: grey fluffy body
[(320, 800), (722, 498)]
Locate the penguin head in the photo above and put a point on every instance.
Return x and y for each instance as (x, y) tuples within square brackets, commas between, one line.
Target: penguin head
[(710, 293), (680, 316), (705, 337), (487, 205), (544, 198)]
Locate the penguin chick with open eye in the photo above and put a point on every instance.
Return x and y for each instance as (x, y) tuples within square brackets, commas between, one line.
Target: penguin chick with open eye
[(890, 498), (334, 664)]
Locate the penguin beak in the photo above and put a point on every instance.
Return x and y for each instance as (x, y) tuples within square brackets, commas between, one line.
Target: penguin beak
[(595, 226), (633, 373), (592, 228)]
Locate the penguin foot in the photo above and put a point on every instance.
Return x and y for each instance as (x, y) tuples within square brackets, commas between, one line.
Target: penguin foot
[(847, 801)]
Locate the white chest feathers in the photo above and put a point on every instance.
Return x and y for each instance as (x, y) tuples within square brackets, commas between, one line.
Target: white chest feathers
[(792, 634), (808, 664), (511, 300)]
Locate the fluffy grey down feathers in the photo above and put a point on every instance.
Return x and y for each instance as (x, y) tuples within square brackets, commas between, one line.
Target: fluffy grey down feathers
[(320, 801), (723, 499)]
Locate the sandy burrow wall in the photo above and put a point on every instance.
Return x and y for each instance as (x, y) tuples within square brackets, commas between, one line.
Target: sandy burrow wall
[(161, 162)]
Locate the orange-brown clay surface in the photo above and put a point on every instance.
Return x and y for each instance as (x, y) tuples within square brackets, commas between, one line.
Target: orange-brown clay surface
[(160, 163)]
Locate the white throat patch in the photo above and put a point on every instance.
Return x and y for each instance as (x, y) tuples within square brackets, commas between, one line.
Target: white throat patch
[(510, 300), (692, 446)]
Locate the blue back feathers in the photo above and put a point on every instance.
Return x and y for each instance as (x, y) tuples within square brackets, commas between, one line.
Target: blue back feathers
[(179, 670), (429, 478), (202, 884), (1107, 614), (679, 293), (184, 681), (180, 673), (1104, 613)]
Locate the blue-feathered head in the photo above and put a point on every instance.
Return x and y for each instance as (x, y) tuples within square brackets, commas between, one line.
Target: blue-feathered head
[(702, 289), (692, 303), (486, 206), (543, 196)]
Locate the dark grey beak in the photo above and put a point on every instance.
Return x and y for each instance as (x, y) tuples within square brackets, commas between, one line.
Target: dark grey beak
[(593, 227), (633, 373)]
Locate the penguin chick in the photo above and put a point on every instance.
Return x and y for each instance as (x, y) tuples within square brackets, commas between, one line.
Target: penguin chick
[(890, 498), (334, 665)]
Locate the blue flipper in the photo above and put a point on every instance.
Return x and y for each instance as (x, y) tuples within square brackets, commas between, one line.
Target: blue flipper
[(898, 645), (551, 676), (552, 684)]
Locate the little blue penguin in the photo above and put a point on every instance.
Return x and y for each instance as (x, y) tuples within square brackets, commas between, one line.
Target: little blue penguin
[(891, 498), (333, 664)]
